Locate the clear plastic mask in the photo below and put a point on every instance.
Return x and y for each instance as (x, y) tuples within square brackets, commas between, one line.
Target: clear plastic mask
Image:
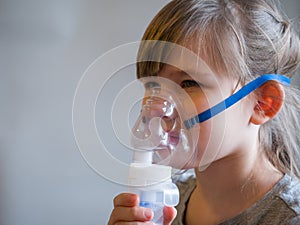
[(160, 127)]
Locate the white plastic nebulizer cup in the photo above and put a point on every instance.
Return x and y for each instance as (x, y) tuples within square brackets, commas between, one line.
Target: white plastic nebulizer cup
[(153, 184)]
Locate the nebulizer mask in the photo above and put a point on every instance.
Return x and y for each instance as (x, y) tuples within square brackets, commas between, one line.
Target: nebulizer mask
[(159, 135), (160, 141)]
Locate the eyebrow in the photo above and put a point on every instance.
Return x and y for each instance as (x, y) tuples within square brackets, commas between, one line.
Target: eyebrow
[(194, 74), (191, 72), (151, 84)]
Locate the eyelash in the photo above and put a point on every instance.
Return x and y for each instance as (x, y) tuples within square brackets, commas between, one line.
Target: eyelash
[(189, 84)]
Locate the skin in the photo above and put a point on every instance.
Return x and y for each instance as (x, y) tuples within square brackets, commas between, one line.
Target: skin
[(235, 174)]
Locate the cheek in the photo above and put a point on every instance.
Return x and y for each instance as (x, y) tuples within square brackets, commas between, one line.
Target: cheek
[(200, 102), (212, 141), (212, 132), (205, 136), (222, 135), (201, 147)]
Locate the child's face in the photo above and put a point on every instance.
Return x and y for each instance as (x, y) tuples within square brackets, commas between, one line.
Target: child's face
[(225, 134)]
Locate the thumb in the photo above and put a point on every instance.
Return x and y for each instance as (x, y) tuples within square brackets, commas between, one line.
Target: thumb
[(169, 215)]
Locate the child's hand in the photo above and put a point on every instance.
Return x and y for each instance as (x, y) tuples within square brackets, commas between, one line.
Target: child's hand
[(128, 212)]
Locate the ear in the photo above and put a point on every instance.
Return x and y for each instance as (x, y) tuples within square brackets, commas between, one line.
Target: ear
[(269, 100)]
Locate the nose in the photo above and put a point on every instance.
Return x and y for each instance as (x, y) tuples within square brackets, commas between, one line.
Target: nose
[(167, 123), (163, 109)]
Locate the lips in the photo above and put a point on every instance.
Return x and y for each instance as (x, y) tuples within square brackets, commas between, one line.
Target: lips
[(169, 139), (173, 138)]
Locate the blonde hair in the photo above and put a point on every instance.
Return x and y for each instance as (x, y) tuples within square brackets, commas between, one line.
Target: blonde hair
[(246, 39)]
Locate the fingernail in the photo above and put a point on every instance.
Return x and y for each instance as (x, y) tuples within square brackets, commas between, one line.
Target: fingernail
[(148, 213), (132, 197)]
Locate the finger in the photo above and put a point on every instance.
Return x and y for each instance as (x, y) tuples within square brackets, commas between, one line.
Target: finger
[(130, 214), (135, 223), (169, 215), (126, 200)]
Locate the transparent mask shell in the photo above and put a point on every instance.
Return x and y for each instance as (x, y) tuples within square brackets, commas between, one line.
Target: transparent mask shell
[(160, 129)]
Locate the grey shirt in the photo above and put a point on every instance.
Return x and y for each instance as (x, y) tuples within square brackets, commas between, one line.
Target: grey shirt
[(280, 206)]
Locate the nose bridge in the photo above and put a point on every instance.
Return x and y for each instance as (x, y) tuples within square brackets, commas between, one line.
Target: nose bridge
[(161, 94), (157, 107)]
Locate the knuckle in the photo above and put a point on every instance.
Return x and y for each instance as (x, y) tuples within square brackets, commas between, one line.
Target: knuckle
[(114, 215), (128, 223), (135, 212), (135, 223), (116, 200)]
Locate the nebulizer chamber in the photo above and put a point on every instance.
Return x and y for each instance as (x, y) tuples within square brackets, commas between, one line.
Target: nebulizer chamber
[(159, 141)]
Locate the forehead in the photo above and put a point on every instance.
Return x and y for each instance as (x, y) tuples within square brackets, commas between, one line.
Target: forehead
[(183, 60), (191, 56)]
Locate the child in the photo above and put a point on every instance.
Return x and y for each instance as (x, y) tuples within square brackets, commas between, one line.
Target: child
[(254, 178)]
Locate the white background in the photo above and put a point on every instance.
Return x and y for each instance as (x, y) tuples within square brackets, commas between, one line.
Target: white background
[(45, 46)]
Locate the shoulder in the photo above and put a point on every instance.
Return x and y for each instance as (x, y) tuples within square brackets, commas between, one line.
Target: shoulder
[(186, 183), (282, 206), (290, 193)]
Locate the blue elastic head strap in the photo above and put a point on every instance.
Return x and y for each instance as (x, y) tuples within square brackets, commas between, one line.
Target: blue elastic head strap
[(244, 91)]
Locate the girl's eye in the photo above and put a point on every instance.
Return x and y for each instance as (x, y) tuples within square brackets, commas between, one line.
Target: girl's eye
[(189, 84)]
